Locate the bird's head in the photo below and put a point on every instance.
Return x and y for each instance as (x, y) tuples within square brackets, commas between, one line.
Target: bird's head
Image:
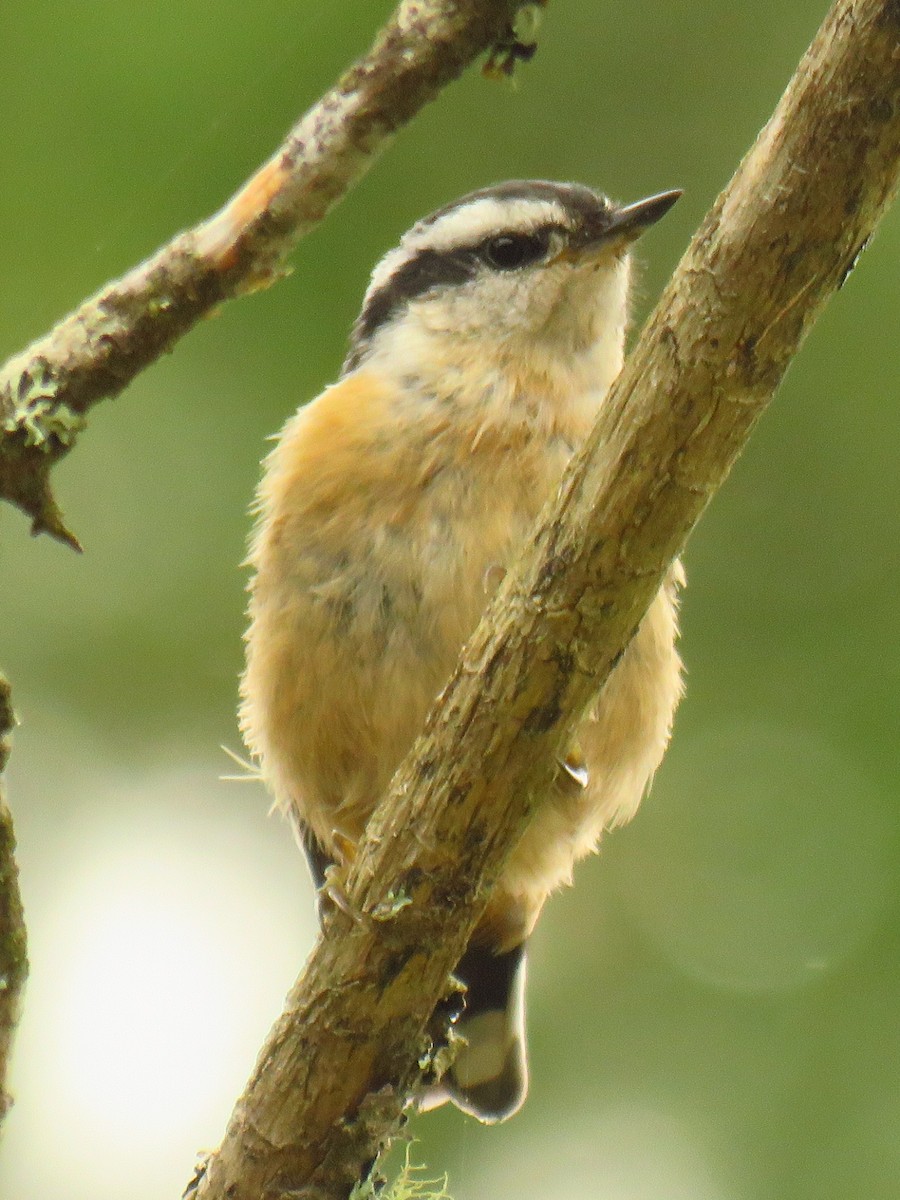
[(525, 268)]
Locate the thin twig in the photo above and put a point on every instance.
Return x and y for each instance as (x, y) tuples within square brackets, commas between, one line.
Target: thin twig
[(95, 352)]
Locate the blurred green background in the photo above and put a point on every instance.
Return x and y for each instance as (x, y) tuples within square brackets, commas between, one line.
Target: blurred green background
[(715, 1007)]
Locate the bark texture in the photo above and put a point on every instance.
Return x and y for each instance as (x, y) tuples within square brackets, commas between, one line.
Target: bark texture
[(95, 352), (358, 1027), (13, 945)]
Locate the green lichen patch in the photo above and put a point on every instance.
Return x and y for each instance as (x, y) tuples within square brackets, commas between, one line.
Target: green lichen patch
[(393, 903), (44, 423)]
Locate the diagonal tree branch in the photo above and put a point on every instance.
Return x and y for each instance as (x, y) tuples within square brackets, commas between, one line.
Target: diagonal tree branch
[(95, 352), (13, 944), (332, 1080)]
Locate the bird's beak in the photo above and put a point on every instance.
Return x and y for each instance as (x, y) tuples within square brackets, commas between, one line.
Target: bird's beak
[(620, 227), (631, 221)]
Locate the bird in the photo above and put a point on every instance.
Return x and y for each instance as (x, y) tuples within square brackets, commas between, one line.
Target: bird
[(389, 509)]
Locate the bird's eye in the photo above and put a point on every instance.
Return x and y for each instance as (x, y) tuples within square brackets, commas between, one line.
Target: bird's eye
[(508, 251)]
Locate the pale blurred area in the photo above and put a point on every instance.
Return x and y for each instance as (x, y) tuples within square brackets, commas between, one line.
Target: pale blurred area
[(161, 952), (715, 1007)]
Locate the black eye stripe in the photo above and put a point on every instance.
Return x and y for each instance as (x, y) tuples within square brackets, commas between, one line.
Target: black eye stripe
[(511, 251), (428, 269)]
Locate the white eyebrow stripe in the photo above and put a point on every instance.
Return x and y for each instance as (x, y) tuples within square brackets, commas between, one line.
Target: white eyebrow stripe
[(466, 226), (385, 269), (479, 218)]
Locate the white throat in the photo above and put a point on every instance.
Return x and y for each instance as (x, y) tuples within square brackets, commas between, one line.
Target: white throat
[(448, 348)]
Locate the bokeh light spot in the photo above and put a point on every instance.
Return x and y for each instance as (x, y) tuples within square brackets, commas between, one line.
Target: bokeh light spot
[(762, 862)]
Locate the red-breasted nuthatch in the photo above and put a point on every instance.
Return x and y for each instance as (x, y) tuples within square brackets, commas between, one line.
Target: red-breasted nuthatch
[(486, 343)]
